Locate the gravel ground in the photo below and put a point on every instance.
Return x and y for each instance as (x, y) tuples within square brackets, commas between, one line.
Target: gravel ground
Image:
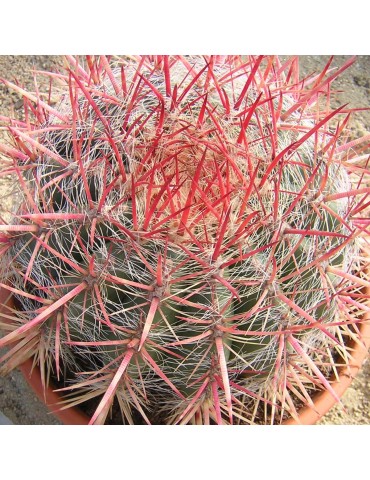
[(17, 402)]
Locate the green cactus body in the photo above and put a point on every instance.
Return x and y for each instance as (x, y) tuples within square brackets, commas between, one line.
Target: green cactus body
[(191, 214)]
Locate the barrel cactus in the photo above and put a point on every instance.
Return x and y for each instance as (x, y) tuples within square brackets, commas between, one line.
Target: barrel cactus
[(185, 240)]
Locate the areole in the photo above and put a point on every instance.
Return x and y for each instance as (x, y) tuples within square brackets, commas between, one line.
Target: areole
[(186, 236), (323, 400)]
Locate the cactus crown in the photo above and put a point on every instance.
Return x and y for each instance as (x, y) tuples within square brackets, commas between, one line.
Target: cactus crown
[(185, 238)]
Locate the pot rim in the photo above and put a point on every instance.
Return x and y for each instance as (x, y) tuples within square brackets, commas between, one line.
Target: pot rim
[(323, 401)]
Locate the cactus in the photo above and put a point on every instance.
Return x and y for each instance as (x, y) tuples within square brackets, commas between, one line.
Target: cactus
[(185, 244)]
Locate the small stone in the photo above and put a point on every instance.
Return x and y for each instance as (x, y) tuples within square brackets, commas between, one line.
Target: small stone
[(361, 81), (18, 104)]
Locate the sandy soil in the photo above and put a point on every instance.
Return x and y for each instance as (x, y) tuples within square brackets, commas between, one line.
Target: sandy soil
[(17, 401)]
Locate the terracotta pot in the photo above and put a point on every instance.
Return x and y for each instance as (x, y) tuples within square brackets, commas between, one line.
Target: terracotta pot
[(323, 401), (69, 416)]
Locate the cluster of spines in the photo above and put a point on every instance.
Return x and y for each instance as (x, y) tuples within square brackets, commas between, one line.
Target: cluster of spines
[(154, 241)]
